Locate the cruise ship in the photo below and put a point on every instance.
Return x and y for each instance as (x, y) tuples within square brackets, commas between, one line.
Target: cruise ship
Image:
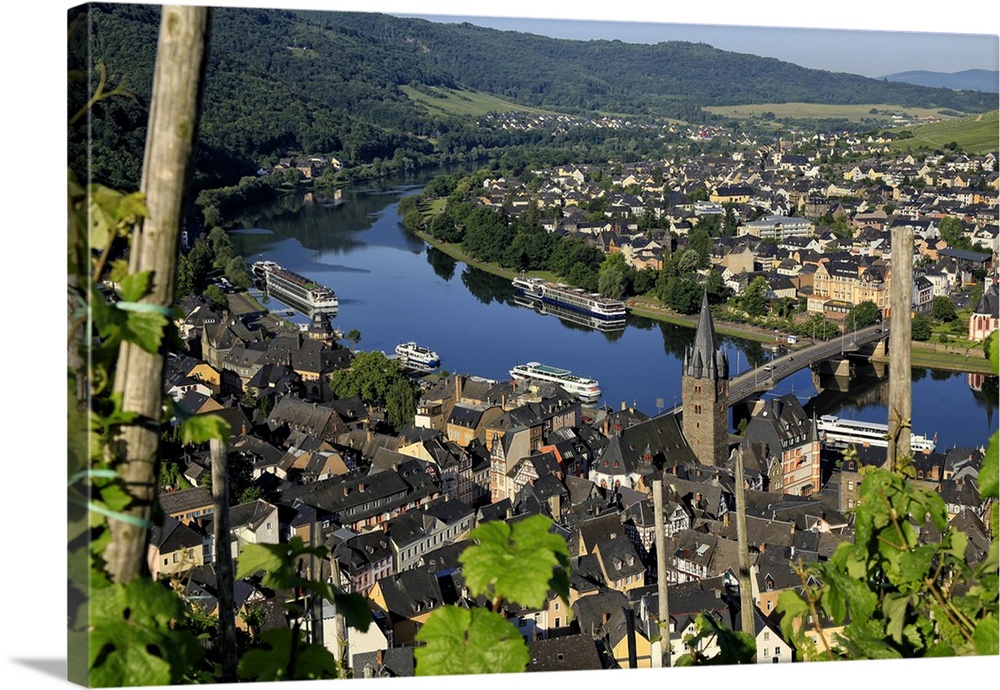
[(297, 291), (846, 432), (588, 390), (576, 299), (569, 315), (416, 356)]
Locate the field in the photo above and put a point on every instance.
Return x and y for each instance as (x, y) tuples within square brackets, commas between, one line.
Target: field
[(464, 102), (854, 113), (974, 134)]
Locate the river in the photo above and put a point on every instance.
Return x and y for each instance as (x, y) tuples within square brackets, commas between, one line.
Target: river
[(393, 287)]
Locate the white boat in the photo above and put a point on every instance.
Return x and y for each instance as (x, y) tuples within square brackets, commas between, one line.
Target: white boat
[(293, 289), (588, 390), (568, 297), (417, 356), (846, 432)]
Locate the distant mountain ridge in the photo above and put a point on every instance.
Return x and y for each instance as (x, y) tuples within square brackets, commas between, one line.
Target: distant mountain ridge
[(984, 80)]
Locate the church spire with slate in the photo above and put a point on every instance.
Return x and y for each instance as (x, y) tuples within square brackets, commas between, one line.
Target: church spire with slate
[(705, 393)]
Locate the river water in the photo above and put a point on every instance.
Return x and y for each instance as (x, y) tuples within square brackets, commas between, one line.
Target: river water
[(393, 287)]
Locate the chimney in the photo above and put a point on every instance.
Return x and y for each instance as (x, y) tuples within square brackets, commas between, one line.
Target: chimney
[(458, 387), (623, 406)]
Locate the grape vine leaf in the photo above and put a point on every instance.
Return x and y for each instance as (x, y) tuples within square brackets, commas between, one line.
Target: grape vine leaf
[(279, 563), (466, 641), (134, 634), (274, 660), (200, 428), (517, 562)]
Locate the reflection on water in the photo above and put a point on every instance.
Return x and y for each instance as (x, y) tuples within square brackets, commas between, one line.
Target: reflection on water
[(392, 287)]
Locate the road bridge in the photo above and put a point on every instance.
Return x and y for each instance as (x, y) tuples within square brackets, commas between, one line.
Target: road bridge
[(764, 378)]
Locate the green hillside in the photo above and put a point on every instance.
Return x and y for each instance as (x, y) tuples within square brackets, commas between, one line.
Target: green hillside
[(368, 87), (974, 134), (441, 100)]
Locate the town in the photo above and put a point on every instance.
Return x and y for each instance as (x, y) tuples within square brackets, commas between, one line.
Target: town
[(403, 347), (392, 502)]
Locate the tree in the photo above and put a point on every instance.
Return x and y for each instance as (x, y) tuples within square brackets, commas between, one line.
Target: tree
[(237, 274), (683, 295), (371, 376), (716, 288), (700, 241), (943, 309), (612, 276), (863, 314), (216, 297), (920, 328), (950, 228), (400, 403), (755, 297), (353, 336)]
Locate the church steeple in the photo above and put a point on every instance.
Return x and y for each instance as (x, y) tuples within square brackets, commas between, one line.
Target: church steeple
[(704, 359), (705, 393)]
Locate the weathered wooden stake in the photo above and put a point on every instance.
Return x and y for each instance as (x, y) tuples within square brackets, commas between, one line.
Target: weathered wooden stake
[(223, 558), (169, 142), (746, 594), (661, 573), (900, 337)]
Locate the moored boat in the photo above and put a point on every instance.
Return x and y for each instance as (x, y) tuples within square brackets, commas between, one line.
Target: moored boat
[(568, 297), (417, 356), (838, 432), (588, 390), (293, 289)]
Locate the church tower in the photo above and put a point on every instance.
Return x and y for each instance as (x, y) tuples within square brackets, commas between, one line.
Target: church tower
[(705, 393)]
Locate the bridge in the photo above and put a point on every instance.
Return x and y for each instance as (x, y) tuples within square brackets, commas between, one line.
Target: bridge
[(764, 378)]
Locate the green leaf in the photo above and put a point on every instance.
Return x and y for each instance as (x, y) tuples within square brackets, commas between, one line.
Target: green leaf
[(793, 608), (354, 608), (112, 213), (894, 609), (135, 286), (914, 565), (516, 562), (988, 472), (145, 329), (135, 639), (469, 641), (204, 427), (986, 636), (273, 661)]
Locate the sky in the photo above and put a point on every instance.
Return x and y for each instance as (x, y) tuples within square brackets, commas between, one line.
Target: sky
[(870, 39), (34, 650)]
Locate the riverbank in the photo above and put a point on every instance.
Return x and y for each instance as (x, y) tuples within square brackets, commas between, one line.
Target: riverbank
[(928, 355)]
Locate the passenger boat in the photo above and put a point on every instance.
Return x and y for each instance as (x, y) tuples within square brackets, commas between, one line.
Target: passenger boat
[(569, 315), (588, 390), (846, 432), (293, 289), (568, 297), (416, 356)]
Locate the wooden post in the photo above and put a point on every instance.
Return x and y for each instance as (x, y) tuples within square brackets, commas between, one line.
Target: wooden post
[(169, 143), (900, 329), (746, 595), (661, 573), (223, 558)]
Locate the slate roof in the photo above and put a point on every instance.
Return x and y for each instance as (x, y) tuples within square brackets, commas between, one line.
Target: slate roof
[(990, 301), (566, 653), (660, 435), (185, 500)]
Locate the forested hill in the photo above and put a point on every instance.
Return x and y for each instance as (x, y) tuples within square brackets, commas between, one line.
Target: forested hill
[(623, 77), (280, 81)]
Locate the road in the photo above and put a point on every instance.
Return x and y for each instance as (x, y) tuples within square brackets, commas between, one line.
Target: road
[(765, 377)]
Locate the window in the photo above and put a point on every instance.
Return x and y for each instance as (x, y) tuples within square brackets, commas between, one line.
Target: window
[(176, 558), (767, 636)]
